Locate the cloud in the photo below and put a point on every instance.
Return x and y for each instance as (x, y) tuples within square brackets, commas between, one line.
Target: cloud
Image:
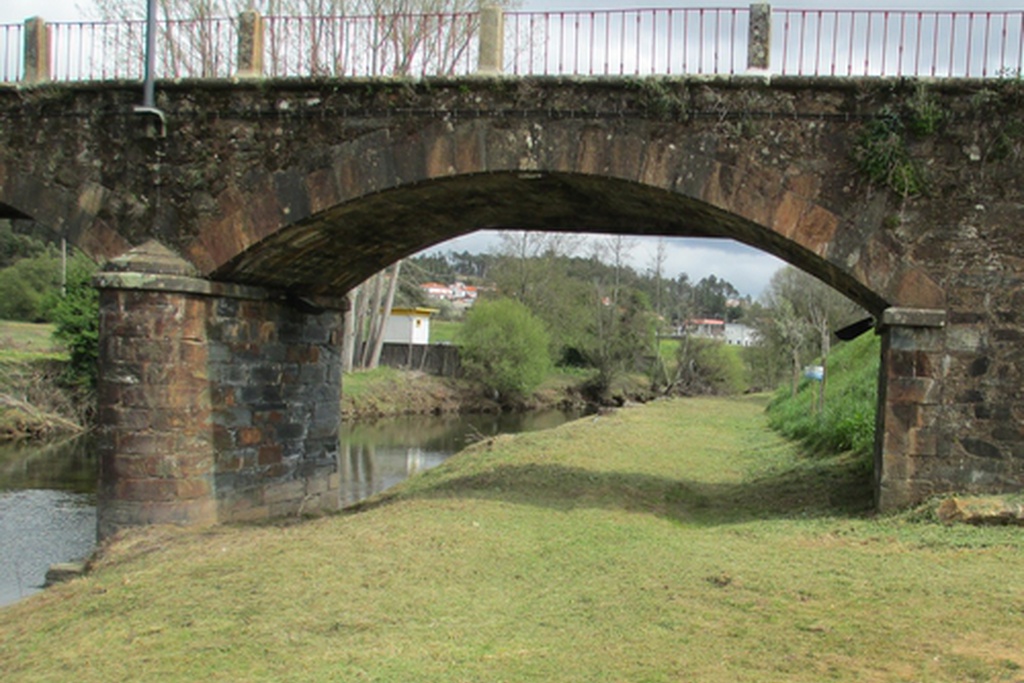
[(748, 269)]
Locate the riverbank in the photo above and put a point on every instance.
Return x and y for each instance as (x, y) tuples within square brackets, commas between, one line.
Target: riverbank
[(386, 392), (33, 404), (681, 540)]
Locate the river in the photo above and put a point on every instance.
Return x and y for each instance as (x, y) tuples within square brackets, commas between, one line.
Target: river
[(48, 492)]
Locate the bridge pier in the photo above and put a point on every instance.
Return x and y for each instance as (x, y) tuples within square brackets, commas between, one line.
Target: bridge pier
[(217, 402), (909, 433)]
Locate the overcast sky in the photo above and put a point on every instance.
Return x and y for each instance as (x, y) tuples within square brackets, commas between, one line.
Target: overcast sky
[(68, 10), (748, 269)]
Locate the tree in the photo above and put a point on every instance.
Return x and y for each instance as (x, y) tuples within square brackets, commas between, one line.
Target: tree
[(622, 336), (505, 347), (27, 285), (658, 270), (76, 318), (366, 319), (707, 366), (711, 297), (800, 313), (534, 269), (17, 244)]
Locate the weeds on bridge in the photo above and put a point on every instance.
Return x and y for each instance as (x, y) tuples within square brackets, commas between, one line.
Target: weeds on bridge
[(882, 152)]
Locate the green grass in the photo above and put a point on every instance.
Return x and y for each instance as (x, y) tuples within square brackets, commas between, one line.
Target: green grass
[(851, 395), (444, 331), (27, 342), (679, 541)]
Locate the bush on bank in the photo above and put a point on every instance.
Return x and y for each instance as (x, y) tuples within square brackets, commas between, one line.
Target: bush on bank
[(505, 347)]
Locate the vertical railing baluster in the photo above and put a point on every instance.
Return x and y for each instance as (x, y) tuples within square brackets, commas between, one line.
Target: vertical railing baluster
[(375, 45)]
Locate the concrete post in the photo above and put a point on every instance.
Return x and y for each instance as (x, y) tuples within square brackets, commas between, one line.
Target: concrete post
[(37, 51), (759, 37), (250, 44), (909, 442), (492, 40)]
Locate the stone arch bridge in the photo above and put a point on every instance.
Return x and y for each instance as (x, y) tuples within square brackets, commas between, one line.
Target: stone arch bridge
[(234, 218)]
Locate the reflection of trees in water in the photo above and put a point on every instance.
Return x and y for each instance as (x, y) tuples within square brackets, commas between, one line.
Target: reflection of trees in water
[(448, 432), (69, 465), (378, 455)]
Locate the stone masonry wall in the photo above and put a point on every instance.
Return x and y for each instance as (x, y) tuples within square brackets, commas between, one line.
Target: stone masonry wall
[(275, 374), (154, 440), (217, 403)]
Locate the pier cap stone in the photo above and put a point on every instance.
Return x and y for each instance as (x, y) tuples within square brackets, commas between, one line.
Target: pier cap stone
[(151, 257)]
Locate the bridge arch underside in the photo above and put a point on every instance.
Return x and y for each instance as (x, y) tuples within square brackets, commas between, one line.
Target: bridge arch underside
[(337, 249), (917, 454)]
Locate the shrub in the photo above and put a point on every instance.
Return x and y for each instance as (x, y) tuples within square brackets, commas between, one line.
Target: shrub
[(76, 316), (504, 346), (26, 287), (706, 366)]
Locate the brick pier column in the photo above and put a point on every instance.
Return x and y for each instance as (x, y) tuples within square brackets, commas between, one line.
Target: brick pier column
[(217, 402), (911, 441)]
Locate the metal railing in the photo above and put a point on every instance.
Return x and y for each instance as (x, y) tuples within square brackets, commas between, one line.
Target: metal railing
[(103, 50), (627, 42), (617, 42), (380, 45), (898, 43)]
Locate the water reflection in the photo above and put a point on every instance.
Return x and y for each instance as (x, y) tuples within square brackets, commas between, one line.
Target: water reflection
[(47, 492), (47, 511), (376, 456)]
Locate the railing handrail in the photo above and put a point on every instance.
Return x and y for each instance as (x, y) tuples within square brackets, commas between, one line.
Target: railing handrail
[(605, 41)]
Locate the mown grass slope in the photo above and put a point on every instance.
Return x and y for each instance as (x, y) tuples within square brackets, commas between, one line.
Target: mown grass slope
[(851, 394), (682, 540)]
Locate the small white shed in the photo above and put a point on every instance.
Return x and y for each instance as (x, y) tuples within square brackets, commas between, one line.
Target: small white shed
[(408, 326)]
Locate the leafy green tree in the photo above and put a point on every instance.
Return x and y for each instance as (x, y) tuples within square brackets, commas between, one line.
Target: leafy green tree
[(18, 244), (505, 346), (622, 337), (536, 269), (76, 315), (26, 286)]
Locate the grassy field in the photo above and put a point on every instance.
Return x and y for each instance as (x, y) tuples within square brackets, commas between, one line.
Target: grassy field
[(678, 541), (27, 341), (444, 331)]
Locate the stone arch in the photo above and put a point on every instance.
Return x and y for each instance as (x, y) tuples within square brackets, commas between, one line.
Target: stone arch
[(299, 234), (81, 214), (387, 194)]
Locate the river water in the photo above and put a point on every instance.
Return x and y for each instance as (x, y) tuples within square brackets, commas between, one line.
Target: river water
[(48, 492)]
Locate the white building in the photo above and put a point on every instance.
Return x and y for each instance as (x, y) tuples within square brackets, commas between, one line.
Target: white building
[(408, 326), (740, 335)]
